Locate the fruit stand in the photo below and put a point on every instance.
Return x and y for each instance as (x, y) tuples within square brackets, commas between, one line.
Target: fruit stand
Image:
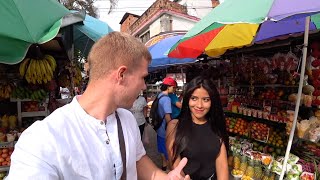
[(29, 91), (259, 115)]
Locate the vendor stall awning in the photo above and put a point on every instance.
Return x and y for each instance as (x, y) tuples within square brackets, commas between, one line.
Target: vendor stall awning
[(89, 31), (26, 22)]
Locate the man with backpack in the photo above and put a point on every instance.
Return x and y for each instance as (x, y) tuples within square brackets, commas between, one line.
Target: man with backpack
[(164, 111)]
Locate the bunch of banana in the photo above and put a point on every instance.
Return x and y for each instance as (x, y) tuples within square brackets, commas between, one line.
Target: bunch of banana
[(25, 93), (5, 90), (38, 70)]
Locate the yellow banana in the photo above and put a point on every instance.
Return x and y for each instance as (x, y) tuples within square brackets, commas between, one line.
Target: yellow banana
[(43, 70), (49, 70), (32, 71), (51, 61), (23, 66), (33, 75), (28, 72), (38, 71)]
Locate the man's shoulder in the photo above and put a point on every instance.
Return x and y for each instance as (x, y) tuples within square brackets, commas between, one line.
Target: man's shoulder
[(165, 98), (125, 114), (123, 111), (54, 122)]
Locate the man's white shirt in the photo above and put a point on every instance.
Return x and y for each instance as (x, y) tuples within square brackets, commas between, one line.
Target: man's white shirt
[(70, 144)]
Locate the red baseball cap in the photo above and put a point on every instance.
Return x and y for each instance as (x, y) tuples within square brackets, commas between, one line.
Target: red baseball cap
[(169, 81)]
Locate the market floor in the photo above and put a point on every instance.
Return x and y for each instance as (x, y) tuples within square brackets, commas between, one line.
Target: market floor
[(150, 144), (151, 147)]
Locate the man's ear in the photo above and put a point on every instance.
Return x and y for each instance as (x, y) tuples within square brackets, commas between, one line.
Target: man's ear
[(121, 72)]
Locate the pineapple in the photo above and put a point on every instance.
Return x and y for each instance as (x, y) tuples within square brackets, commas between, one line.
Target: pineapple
[(236, 162), (243, 164), (257, 170), (267, 175), (250, 169)]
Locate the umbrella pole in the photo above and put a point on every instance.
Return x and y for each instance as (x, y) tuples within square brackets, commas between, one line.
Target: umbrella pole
[(303, 65)]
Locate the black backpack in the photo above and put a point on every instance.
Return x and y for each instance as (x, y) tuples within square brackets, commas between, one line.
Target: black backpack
[(156, 119)]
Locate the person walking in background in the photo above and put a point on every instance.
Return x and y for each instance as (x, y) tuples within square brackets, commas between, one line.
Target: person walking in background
[(94, 137), (164, 110), (175, 103), (200, 133), (139, 111)]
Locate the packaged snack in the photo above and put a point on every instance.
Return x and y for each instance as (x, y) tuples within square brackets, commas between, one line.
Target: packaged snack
[(266, 159), (276, 167), (293, 159), (302, 127), (314, 133), (307, 176)]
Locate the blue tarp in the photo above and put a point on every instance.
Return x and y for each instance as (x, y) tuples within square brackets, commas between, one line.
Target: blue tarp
[(159, 52)]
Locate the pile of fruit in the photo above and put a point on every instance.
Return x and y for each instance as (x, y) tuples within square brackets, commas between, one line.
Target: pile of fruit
[(5, 156), (5, 90), (272, 94), (277, 138), (31, 106), (259, 131), (26, 93), (237, 125), (38, 71)]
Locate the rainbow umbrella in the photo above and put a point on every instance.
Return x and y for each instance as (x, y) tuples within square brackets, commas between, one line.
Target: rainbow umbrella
[(238, 23), (159, 47)]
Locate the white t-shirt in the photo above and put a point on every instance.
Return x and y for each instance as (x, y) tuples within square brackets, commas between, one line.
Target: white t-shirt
[(70, 144), (137, 110)]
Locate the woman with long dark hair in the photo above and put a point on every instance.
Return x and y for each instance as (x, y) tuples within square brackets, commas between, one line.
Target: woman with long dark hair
[(200, 132)]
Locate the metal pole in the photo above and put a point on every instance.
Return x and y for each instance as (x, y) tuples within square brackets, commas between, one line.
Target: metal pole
[(303, 65)]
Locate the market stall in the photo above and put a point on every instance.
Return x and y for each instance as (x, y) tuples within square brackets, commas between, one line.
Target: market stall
[(263, 88)]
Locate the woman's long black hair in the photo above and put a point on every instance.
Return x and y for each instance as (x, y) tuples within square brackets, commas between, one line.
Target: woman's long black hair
[(215, 116)]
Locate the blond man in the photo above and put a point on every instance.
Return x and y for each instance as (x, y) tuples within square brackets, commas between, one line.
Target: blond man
[(82, 140)]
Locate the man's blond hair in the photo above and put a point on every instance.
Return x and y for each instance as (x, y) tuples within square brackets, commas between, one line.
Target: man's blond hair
[(114, 50)]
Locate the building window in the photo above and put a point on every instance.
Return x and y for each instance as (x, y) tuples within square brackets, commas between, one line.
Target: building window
[(145, 37)]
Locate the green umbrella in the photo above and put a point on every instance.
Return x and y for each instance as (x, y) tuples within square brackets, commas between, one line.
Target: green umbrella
[(26, 22)]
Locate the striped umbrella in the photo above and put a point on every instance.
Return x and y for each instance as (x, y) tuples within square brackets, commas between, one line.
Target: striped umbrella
[(238, 23)]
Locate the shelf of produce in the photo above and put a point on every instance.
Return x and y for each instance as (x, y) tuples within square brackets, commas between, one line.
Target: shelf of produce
[(34, 114), (250, 118), (254, 140), (29, 114)]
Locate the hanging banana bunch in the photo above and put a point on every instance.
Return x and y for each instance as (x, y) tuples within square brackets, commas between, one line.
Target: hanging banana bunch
[(38, 71), (5, 90)]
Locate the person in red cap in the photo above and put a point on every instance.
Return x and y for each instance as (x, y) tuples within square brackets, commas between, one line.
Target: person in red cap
[(164, 110)]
